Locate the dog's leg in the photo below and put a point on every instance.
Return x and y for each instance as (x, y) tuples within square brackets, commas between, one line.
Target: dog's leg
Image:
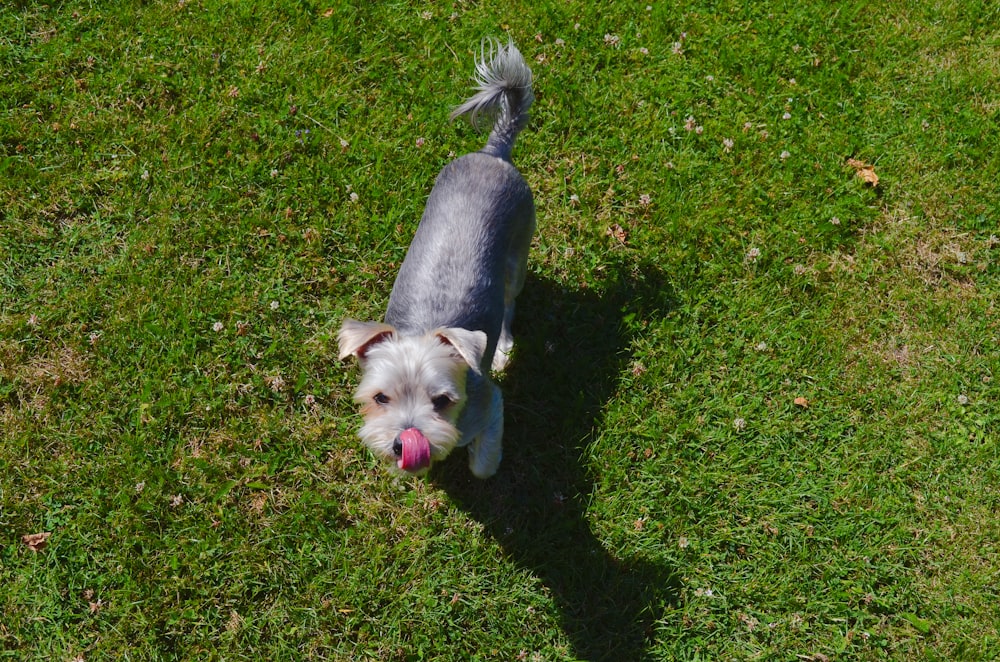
[(515, 273), (506, 341), (486, 449)]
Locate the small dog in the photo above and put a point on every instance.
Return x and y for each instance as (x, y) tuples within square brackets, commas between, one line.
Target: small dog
[(426, 387)]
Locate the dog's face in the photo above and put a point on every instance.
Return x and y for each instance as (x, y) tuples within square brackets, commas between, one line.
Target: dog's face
[(412, 389)]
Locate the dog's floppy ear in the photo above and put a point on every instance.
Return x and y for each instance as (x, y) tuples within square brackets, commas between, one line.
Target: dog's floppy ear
[(471, 345), (356, 337)]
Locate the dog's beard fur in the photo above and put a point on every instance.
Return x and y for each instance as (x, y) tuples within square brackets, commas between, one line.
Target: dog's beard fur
[(411, 373)]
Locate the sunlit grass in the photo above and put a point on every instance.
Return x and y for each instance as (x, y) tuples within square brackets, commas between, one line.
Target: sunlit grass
[(752, 409)]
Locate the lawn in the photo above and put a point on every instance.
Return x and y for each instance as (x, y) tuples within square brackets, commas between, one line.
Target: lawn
[(753, 409)]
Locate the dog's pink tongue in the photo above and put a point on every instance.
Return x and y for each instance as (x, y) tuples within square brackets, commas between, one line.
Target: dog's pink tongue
[(416, 450)]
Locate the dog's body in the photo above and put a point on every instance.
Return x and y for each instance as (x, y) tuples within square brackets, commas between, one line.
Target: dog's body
[(426, 386)]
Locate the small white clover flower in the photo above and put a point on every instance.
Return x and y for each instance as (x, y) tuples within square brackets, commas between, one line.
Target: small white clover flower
[(963, 399), (727, 144), (740, 424), (786, 116), (785, 154), (274, 305), (276, 382), (645, 200), (218, 326), (753, 254)]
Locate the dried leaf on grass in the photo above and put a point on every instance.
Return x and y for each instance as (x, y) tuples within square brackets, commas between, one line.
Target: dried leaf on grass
[(618, 232), (36, 541), (864, 171)]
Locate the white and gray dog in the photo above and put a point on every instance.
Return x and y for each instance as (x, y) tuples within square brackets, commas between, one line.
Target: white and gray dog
[(426, 387)]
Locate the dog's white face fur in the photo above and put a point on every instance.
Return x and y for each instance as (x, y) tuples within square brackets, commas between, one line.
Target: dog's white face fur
[(411, 383)]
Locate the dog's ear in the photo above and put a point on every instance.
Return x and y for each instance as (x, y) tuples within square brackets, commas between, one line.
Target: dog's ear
[(471, 345), (356, 337)]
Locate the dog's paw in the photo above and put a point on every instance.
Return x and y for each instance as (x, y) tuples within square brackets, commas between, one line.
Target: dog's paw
[(485, 462), (500, 359)]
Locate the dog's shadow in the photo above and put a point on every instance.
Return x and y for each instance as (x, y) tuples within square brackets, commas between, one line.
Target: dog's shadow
[(571, 346)]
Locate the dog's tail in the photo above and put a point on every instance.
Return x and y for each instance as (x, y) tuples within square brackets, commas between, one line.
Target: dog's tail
[(504, 94)]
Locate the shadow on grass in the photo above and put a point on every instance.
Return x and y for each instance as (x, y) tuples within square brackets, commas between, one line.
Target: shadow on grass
[(571, 347)]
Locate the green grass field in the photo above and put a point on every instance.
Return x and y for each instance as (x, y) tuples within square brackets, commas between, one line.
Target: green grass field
[(754, 407)]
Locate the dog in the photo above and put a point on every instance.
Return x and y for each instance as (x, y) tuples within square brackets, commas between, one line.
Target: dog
[(426, 385)]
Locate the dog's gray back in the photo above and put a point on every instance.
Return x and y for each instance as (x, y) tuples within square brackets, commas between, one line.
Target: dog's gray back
[(479, 216), (479, 212)]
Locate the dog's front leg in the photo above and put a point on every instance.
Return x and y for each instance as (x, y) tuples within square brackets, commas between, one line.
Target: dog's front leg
[(486, 448)]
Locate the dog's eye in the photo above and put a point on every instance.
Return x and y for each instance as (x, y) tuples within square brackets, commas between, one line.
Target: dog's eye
[(382, 398), (440, 402)]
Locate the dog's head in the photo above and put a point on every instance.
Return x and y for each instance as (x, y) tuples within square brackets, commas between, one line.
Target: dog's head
[(412, 389)]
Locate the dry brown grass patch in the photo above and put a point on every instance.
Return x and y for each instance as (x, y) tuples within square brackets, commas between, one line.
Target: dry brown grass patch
[(64, 366)]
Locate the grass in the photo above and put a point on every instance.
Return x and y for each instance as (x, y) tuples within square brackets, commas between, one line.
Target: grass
[(753, 410)]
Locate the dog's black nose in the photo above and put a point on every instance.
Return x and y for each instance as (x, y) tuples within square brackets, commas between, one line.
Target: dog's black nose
[(397, 447)]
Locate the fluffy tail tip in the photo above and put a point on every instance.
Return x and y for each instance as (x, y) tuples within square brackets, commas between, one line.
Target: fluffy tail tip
[(503, 86)]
